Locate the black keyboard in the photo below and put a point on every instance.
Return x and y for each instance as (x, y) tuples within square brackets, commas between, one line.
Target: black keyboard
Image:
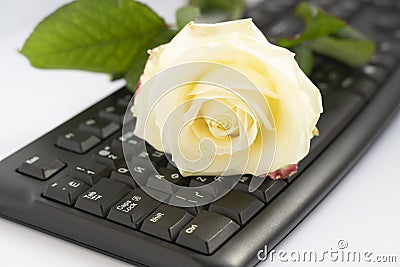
[(73, 182)]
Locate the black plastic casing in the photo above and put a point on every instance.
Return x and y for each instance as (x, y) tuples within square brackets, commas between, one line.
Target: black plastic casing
[(21, 200)]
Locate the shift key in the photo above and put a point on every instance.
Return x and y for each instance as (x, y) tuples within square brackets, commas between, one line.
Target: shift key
[(99, 199)]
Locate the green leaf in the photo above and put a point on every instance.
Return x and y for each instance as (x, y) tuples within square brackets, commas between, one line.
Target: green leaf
[(349, 32), (322, 25), (186, 14), (289, 43), (354, 53), (318, 24), (235, 8), (137, 66), (304, 57), (101, 36), (132, 76), (329, 36), (306, 11), (116, 76)]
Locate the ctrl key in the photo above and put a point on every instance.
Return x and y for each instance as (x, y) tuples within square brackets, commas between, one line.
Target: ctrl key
[(207, 232)]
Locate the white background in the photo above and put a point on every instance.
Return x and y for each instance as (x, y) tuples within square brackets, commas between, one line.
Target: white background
[(363, 209)]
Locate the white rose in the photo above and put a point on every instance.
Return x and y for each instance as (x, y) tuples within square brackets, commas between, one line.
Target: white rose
[(235, 130)]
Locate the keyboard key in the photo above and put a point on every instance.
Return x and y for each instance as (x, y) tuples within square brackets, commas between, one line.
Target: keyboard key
[(166, 222), (387, 23), (287, 26), (173, 176), (273, 7), (363, 86), (375, 73), (266, 191), (66, 190), (392, 48), (99, 199), (115, 114), (158, 182), (323, 86), (397, 5), (217, 188), (350, 5), (207, 232), (100, 127), (238, 206), (193, 201), (396, 34), (116, 145), (260, 17), (129, 138), (244, 182), (345, 10), (77, 141), (384, 60), (189, 198), (384, 3), (287, 3), (132, 144), (157, 157), (124, 100), (269, 189), (141, 169), (200, 180), (123, 175), (323, 3), (133, 209), (41, 167), (90, 172), (293, 177), (330, 75), (156, 194), (164, 180), (108, 157), (195, 210), (340, 106)]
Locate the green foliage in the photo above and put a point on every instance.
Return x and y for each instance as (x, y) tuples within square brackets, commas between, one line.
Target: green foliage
[(329, 36), (113, 36), (234, 8), (304, 57), (108, 36), (354, 53), (186, 14)]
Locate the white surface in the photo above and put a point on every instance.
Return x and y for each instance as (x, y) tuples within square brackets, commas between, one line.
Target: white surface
[(363, 209)]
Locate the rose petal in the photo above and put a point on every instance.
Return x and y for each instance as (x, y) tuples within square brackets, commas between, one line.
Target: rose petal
[(284, 172)]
